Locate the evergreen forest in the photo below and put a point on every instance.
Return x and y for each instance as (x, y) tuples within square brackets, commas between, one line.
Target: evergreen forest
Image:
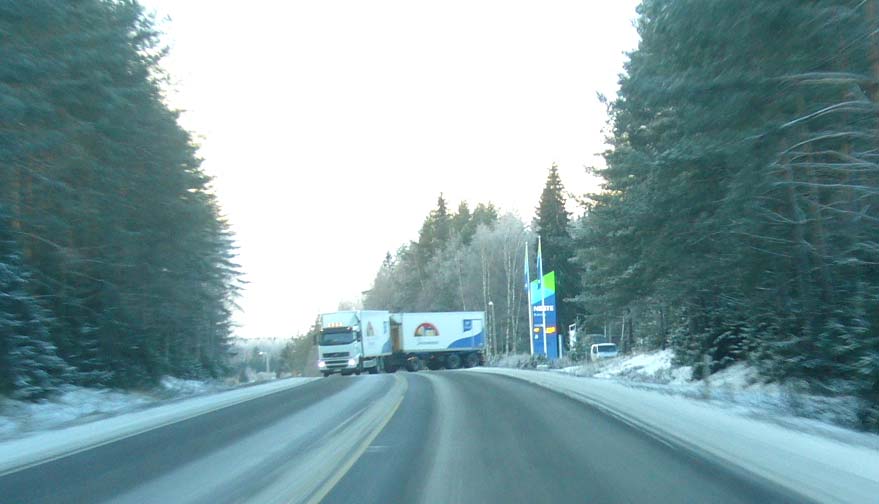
[(116, 266)]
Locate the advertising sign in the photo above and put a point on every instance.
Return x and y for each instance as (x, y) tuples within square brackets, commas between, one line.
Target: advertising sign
[(544, 331)]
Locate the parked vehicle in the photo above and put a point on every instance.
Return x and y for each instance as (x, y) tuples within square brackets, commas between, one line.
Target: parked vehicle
[(603, 351)]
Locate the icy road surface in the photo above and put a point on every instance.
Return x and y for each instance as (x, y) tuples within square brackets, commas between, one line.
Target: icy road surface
[(431, 437)]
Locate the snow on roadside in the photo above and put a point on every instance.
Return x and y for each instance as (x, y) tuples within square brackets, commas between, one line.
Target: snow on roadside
[(738, 387), (72, 404), (37, 446), (817, 466), (75, 405)]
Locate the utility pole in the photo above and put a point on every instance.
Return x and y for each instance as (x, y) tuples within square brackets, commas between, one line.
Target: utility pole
[(489, 326), (530, 308), (493, 325), (267, 360)]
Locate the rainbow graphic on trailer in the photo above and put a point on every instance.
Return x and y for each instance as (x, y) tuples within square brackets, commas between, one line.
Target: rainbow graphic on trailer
[(426, 329)]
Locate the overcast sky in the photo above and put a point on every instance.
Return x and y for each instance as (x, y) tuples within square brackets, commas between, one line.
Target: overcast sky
[(332, 126)]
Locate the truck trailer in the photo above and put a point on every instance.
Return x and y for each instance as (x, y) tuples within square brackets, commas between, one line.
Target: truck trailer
[(351, 342), (436, 340)]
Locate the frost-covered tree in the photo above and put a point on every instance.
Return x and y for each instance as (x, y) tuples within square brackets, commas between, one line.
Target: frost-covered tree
[(463, 274), (29, 365), (740, 212), (113, 217)]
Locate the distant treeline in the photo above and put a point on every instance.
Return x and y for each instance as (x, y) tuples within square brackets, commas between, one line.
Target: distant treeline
[(461, 261), (475, 260), (115, 265)]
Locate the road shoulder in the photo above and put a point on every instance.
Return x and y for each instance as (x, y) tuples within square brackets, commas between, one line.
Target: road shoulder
[(44, 446), (819, 468)]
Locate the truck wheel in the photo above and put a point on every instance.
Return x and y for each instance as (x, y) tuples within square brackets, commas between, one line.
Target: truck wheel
[(453, 361), (434, 365), (471, 360), (326, 375), (373, 369), (412, 365)]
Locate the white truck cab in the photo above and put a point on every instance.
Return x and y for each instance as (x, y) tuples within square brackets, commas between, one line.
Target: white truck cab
[(351, 342)]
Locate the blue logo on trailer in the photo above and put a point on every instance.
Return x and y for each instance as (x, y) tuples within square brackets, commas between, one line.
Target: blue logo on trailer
[(474, 337)]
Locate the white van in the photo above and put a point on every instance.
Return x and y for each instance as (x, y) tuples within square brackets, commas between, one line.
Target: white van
[(603, 351)]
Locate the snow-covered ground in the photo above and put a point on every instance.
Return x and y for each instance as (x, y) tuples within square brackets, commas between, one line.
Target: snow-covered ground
[(76, 405), (839, 468), (124, 416), (738, 388)]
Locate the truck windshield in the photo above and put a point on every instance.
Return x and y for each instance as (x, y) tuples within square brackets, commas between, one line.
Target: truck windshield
[(610, 348), (336, 338)]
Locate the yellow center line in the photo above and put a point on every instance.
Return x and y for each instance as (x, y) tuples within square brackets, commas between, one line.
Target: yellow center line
[(340, 473)]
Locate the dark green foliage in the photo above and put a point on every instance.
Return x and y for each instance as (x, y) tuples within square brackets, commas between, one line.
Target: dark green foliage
[(107, 201), (741, 192), (297, 353), (29, 365), (435, 233), (429, 274), (551, 223)]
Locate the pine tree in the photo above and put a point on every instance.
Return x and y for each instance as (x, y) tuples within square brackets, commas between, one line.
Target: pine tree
[(433, 275), (435, 232), (551, 223), (739, 196), (29, 365), (108, 204)]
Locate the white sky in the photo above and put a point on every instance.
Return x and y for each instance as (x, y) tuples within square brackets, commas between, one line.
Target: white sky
[(332, 126)]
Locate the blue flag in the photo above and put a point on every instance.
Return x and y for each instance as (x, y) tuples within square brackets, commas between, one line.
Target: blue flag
[(539, 262)]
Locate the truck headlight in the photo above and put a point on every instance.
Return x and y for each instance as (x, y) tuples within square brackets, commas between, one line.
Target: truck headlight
[(352, 362), (321, 364)]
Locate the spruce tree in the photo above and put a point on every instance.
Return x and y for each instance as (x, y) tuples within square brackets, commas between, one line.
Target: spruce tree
[(108, 204), (740, 190), (29, 365), (551, 223)]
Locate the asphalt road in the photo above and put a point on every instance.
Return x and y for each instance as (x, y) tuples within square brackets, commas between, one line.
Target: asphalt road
[(432, 437)]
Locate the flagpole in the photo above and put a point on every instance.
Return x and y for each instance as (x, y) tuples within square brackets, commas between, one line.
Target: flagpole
[(542, 295), (530, 309)]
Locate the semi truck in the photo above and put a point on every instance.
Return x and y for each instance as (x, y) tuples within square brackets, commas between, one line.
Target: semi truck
[(351, 342)]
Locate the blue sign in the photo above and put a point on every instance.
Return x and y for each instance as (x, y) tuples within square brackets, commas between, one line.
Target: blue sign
[(543, 310)]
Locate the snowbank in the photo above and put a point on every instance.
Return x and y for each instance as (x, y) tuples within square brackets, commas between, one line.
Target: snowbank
[(45, 445), (738, 387), (76, 405), (821, 468), (73, 404)]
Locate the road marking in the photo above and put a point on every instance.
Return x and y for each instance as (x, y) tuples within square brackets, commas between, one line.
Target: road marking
[(340, 473), (378, 448)]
